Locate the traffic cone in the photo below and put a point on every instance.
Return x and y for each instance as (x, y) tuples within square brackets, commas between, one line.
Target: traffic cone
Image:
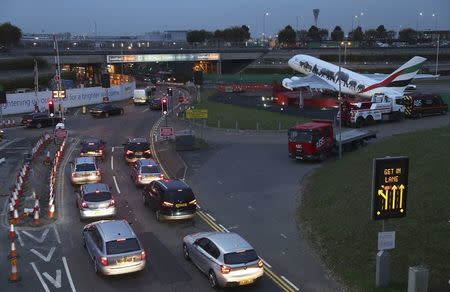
[(13, 252), (11, 209), (14, 277), (15, 219), (12, 232), (36, 205), (51, 211), (47, 160), (13, 123), (16, 198), (36, 219), (8, 124)]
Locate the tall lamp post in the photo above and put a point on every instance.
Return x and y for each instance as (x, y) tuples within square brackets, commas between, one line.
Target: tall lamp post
[(264, 25), (340, 105), (435, 16), (417, 23)]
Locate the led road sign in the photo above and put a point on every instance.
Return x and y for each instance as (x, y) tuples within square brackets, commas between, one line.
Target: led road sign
[(390, 186)]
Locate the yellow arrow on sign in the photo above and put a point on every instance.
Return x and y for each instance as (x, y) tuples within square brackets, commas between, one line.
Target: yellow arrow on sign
[(401, 188), (384, 196), (394, 190)]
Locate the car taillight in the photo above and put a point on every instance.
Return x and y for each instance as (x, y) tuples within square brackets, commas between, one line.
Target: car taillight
[(148, 151), (101, 151), (161, 176), (82, 153), (84, 204), (260, 263), (74, 174), (104, 261), (225, 269), (139, 177), (143, 255), (167, 204), (29, 121), (129, 152), (193, 202), (97, 172), (112, 202)]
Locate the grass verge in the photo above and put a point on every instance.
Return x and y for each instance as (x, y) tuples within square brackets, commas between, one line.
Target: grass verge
[(335, 213), (247, 118)]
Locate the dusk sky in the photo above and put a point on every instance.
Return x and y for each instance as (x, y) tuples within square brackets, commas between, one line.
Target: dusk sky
[(135, 17)]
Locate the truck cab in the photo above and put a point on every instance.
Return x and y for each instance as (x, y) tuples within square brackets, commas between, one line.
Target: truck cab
[(311, 141)]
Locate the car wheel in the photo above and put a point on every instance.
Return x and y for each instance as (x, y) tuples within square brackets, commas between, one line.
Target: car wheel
[(212, 279), (419, 115), (106, 115), (158, 216), (370, 121), (186, 252), (96, 269), (38, 125), (144, 200), (444, 112), (359, 122)]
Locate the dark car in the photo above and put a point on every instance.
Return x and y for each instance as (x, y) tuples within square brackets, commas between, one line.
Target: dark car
[(419, 105), (106, 110), (39, 120), (155, 104), (170, 199), (136, 149), (93, 147)]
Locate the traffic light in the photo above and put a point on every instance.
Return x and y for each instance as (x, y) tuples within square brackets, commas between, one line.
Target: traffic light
[(165, 105), (51, 106), (105, 80), (169, 91), (2, 95)]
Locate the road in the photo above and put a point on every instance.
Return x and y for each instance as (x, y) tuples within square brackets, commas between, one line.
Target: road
[(52, 257)]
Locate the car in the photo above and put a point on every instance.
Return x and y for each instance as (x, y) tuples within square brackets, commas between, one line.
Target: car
[(113, 247), (84, 170), (136, 149), (226, 258), (145, 171), (93, 147), (106, 110), (155, 104), (95, 200), (170, 199), (39, 120)]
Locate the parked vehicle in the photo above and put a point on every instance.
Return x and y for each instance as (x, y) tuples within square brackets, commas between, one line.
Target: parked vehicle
[(142, 96), (419, 105), (226, 258), (136, 149), (316, 140), (95, 200), (113, 247), (39, 120), (93, 147), (155, 104), (85, 170), (170, 199), (145, 171), (106, 110), (380, 108)]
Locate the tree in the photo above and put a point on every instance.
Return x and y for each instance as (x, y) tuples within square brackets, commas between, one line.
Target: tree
[(337, 34), (356, 35), (381, 33), (313, 33), (286, 36), (233, 34), (370, 35), (323, 34), (408, 35), (198, 36), (10, 35)]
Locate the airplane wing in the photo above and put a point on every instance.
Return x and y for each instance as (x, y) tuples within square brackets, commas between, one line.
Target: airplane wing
[(380, 77), (311, 81)]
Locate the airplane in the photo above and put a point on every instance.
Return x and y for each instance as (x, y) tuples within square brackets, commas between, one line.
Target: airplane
[(322, 75)]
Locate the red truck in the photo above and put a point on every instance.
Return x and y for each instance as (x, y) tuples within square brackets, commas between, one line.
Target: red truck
[(316, 140)]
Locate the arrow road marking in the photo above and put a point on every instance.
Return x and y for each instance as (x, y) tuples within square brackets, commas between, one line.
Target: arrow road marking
[(56, 282), (40, 277), (40, 240), (48, 257)]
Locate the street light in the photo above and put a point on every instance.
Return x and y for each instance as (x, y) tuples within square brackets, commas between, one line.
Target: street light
[(435, 21), (417, 24), (264, 25), (345, 44), (340, 105), (353, 20)]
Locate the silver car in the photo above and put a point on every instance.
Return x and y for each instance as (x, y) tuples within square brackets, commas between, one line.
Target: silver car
[(95, 200), (145, 171), (85, 170), (113, 247), (226, 258)]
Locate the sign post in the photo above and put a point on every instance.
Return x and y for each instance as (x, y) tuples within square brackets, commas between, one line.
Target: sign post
[(197, 114), (389, 197)]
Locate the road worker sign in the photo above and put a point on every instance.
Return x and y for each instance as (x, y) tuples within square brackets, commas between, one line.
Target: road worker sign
[(196, 114), (390, 187)]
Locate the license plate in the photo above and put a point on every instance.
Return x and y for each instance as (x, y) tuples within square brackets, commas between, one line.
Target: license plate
[(246, 282), (92, 152), (181, 205), (124, 260), (138, 153)]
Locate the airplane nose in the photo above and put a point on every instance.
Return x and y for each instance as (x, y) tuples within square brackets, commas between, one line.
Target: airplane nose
[(291, 62)]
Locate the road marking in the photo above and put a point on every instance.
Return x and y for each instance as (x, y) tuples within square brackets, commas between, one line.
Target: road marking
[(118, 147), (40, 240), (56, 282), (212, 218), (19, 238), (208, 221), (145, 110), (2, 160), (57, 234), (282, 235), (233, 227), (220, 182), (69, 276), (112, 162), (265, 263), (117, 186), (48, 257), (223, 227), (76, 113), (112, 149), (286, 287), (290, 283), (40, 277)]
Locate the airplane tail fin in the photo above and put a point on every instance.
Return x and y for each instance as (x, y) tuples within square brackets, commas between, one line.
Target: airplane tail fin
[(401, 77)]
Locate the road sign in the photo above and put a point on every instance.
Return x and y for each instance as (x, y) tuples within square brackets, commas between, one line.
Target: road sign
[(390, 186), (57, 77), (196, 114), (386, 240), (166, 131), (105, 99), (59, 94), (61, 134)]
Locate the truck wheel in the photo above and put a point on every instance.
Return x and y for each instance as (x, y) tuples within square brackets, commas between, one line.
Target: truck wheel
[(359, 122), (38, 125), (370, 121), (444, 112), (419, 115)]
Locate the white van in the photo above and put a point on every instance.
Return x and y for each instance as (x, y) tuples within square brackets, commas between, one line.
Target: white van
[(142, 96)]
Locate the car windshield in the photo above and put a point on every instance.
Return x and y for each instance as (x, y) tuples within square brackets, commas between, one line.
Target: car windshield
[(139, 146), (150, 169), (101, 107), (122, 246), (91, 146), (180, 195), (300, 136), (85, 167), (97, 197), (241, 257)]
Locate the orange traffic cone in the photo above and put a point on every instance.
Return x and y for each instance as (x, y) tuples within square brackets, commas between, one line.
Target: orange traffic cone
[(36, 219), (51, 211), (14, 277), (11, 209), (15, 219), (13, 123), (36, 205), (47, 159), (16, 198), (13, 252), (12, 232)]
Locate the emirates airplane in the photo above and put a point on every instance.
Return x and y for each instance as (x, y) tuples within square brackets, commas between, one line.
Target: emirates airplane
[(321, 75)]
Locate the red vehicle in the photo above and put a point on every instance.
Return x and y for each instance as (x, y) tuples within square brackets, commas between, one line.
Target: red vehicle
[(316, 140)]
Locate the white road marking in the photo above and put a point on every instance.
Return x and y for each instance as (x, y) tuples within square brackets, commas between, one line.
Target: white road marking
[(112, 162), (57, 234), (212, 218), (117, 186), (76, 113), (112, 149), (223, 227), (118, 147), (282, 235), (69, 277), (290, 283), (48, 257), (145, 110), (2, 160), (233, 227), (40, 240), (56, 282), (265, 263), (40, 277), (19, 238), (220, 182)]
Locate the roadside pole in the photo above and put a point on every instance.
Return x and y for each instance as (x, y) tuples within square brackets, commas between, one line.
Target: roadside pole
[(340, 106), (58, 73)]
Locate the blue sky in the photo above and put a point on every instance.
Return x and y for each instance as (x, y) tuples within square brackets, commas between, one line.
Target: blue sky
[(139, 16)]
